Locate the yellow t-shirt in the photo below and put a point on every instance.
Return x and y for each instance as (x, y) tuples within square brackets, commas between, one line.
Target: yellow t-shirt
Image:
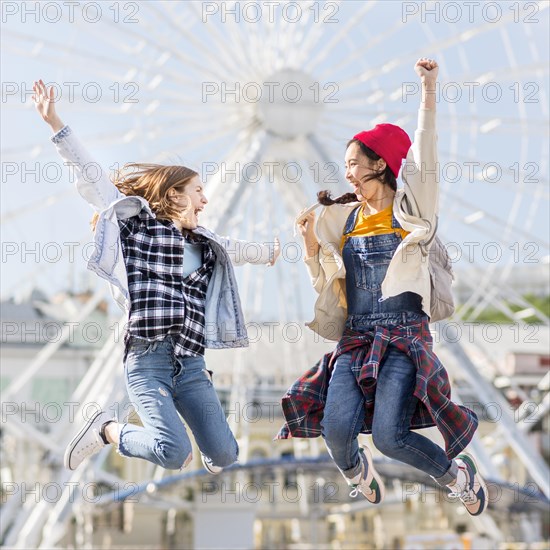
[(374, 224)]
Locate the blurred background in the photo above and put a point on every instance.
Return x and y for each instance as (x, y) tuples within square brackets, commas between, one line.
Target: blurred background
[(260, 98)]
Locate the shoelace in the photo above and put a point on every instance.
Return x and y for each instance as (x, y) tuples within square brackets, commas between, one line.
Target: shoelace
[(356, 490), (97, 443), (467, 496), (209, 464)]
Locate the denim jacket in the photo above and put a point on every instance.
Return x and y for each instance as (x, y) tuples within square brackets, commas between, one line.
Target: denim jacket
[(225, 324)]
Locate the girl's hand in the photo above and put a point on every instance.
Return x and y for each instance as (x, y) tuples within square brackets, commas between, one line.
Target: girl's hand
[(307, 224), (45, 105), (276, 251), (427, 69), (311, 243)]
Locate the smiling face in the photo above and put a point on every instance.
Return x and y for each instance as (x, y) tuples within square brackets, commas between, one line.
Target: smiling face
[(360, 170), (189, 201)]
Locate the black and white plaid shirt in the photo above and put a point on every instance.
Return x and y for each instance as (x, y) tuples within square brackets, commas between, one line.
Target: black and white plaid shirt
[(162, 300)]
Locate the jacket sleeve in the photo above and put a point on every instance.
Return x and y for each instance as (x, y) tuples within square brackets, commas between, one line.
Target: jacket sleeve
[(242, 252), (316, 271), (421, 170), (92, 181)]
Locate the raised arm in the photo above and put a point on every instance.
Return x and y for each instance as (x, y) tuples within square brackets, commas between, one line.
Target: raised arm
[(421, 171), (427, 70), (45, 105), (92, 181)]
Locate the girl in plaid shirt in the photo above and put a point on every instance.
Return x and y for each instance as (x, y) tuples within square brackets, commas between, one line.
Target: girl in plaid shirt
[(176, 280)]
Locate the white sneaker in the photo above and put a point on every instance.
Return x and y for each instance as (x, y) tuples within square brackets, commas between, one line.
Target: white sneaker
[(214, 470), (86, 442), (368, 482), (473, 493)]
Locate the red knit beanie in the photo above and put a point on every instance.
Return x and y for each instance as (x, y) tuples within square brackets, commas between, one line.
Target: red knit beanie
[(389, 142)]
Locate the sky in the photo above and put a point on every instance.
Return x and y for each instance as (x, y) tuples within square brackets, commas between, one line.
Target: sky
[(189, 82)]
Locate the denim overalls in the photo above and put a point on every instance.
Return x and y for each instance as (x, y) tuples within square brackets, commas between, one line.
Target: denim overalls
[(366, 260)]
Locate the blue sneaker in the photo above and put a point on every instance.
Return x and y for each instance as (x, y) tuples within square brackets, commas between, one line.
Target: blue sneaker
[(474, 495), (368, 482)]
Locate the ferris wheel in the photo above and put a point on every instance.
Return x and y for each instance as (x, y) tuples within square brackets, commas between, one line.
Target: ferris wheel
[(261, 99)]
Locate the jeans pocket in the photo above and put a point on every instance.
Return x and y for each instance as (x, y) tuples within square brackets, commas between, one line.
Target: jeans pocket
[(139, 348), (209, 375)]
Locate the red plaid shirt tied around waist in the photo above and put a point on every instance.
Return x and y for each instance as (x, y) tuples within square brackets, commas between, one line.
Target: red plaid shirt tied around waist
[(304, 402)]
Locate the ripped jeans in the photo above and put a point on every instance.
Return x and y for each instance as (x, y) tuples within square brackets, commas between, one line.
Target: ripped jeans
[(161, 387)]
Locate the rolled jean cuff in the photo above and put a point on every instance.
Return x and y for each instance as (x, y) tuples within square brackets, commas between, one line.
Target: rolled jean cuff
[(449, 476), (120, 449)]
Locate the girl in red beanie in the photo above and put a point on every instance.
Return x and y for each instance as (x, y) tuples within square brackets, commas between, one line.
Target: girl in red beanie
[(365, 259)]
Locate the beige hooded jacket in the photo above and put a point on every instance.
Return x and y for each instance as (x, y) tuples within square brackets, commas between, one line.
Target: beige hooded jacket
[(408, 269)]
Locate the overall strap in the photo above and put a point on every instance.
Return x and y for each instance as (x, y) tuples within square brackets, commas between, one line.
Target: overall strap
[(394, 223), (352, 220)]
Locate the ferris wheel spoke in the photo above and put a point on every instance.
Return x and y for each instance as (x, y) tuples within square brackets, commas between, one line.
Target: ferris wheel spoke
[(362, 52), (499, 299), (503, 73), (43, 202), (99, 65), (235, 189), (311, 34), (150, 133), (42, 272), (538, 187), (266, 55), (293, 44), (538, 201), (500, 296), (234, 44), (64, 49), (233, 56), (440, 46), (220, 58), (328, 47), (353, 123), (503, 123), (222, 184), (98, 68), (522, 115), (156, 65), (161, 44), (198, 141), (264, 45), (499, 222)]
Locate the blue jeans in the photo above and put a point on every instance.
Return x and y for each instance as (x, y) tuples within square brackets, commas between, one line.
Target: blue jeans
[(162, 387), (366, 260), (395, 403)]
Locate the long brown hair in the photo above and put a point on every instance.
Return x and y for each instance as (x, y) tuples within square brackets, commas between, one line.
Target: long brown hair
[(152, 182), (387, 176)]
